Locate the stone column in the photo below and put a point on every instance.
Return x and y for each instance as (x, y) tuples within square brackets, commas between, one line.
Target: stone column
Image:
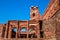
[(9, 34), (27, 29), (17, 32), (1, 30), (38, 32), (6, 31)]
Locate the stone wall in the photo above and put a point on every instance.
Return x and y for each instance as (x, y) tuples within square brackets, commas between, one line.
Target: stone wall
[(51, 9), (19, 39), (58, 25), (1, 30), (52, 27)]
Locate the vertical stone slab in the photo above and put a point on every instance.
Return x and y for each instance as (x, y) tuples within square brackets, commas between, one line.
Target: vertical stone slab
[(10, 29), (17, 32), (38, 32), (6, 31), (1, 28)]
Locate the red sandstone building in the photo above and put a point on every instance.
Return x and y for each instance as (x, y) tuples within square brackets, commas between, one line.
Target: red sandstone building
[(45, 27)]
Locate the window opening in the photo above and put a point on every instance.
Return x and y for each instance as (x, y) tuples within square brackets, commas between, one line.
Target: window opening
[(40, 23), (41, 34), (14, 32), (33, 14), (23, 29)]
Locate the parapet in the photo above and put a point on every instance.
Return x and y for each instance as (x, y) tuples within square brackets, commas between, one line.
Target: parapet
[(34, 7)]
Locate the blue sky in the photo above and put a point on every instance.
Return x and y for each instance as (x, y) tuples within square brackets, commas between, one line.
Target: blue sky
[(19, 9)]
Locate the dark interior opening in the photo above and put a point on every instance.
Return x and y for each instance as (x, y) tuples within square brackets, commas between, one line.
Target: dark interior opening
[(33, 14), (3, 32), (32, 36), (41, 34), (40, 24), (32, 7), (23, 36), (13, 34)]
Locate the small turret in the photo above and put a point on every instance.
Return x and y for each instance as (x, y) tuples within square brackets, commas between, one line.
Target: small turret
[(34, 13)]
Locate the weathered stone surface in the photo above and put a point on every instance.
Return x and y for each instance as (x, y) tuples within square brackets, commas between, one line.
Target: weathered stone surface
[(48, 29), (52, 27), (58, 25)]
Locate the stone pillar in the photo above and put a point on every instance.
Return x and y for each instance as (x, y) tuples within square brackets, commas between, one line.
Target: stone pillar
[(38, 32), (17, 32), (1, 30), (27, 29), (9, 34), (6, 31)]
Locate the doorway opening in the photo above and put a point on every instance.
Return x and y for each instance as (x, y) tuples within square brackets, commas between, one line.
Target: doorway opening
[(13, 32), (32, 36), (41, 34), (40, 24), (23, 36)]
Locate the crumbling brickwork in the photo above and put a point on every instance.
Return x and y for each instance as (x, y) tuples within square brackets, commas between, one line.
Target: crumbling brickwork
[(58, 25), (45, 27)]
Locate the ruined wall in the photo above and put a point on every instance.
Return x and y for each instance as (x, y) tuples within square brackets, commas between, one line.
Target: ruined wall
[(51, 27), (51, 9), (1, 30), (58, 25), (33, 26), (51, 24)]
